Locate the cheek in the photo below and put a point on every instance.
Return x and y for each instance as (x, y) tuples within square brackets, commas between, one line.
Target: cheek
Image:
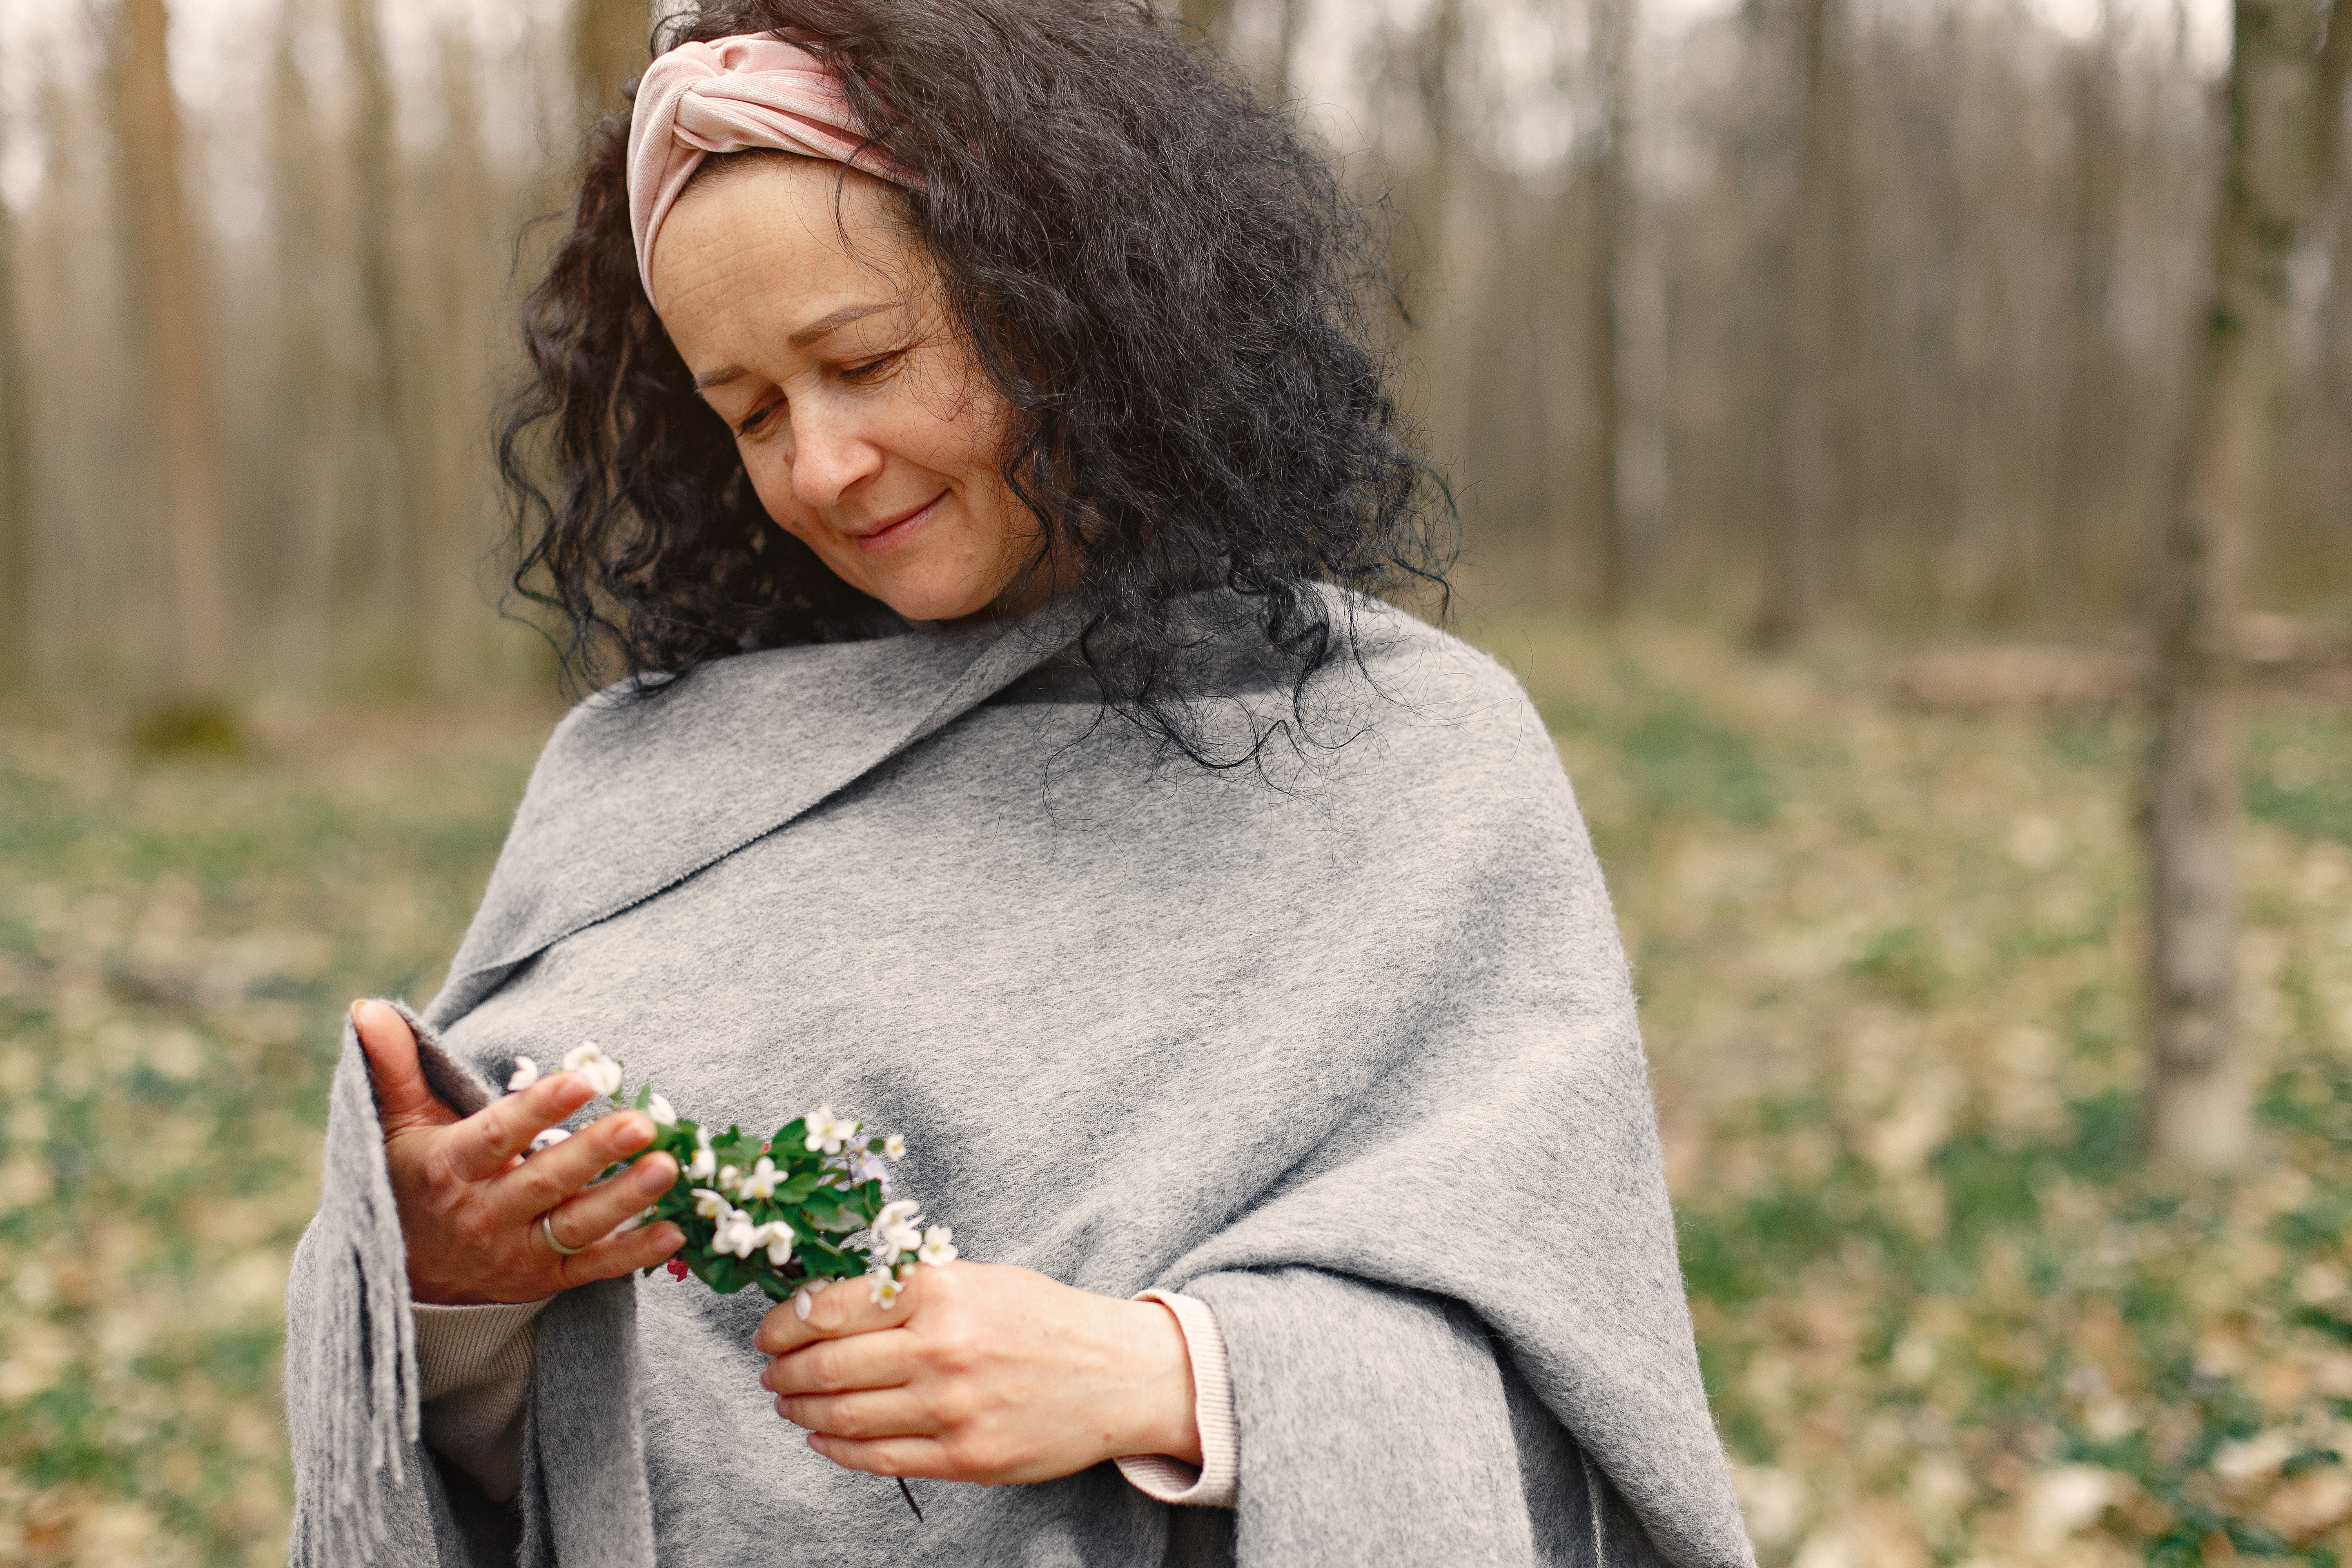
[(772, 481)]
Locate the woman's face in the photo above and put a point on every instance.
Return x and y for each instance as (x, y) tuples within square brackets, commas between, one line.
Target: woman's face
[(814, 326)]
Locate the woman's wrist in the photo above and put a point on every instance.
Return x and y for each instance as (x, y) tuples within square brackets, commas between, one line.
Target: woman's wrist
[(1162, 1405)]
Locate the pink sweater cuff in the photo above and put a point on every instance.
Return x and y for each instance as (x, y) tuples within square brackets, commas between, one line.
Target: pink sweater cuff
[(1170, 1480)]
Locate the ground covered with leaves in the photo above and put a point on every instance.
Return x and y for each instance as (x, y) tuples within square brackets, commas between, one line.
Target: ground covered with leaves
[(1888, 965)]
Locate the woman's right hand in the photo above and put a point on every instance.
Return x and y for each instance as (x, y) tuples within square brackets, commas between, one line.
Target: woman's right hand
[(471, 1202)]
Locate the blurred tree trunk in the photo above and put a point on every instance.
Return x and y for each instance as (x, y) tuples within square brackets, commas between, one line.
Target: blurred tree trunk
[(2274, 154), (397, 457), (1438, 204), (310, 394), (161, 265), (1807, 495), (1612, 45), (2328, 129), (463, 286), (2083, 460), (1209, 19), (610, 42), (15, 478), (1291, 28)]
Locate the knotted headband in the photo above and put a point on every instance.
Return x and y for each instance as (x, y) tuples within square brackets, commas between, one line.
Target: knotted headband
[(729, 96)]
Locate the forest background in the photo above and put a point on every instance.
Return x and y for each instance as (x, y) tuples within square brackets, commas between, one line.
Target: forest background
[(1821, 380)]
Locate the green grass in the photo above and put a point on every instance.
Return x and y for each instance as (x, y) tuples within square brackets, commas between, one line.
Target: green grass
[(1889, 965), (1888, 962), (178, 937)]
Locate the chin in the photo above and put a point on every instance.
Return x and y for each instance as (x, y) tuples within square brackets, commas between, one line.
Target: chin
[(918, 599)]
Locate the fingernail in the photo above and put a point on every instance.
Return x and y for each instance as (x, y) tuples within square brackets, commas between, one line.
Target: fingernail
[(654, 1174), (764, 1377)]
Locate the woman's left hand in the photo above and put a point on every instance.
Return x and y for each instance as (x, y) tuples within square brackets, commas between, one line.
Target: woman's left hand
[(980, 1372)]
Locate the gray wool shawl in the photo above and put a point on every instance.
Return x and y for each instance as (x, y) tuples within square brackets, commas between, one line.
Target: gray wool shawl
[(1341, 1043)]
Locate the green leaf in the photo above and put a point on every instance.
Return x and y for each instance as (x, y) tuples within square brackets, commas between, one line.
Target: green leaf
[(799, 1187)]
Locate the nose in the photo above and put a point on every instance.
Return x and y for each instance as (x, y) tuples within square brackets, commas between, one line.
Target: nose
[(830, 453)]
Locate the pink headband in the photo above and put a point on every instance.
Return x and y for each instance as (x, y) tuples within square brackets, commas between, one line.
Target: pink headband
[(727, 96)]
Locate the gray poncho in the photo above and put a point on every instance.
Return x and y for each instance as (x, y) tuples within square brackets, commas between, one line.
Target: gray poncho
[(1342, 1045)]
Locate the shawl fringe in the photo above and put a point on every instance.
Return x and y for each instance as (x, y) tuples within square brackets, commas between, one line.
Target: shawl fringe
[(352, 1376)]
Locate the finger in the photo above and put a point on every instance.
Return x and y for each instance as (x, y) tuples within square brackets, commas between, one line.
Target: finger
[(882, 1359), (868, 1416), (402, 1098), (888, 1457), (551, 1176), (619, 1255), (487, 1142), (593, 1215), (847, 1308)]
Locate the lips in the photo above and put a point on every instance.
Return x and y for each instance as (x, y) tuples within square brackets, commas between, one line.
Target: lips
[(893, 532)]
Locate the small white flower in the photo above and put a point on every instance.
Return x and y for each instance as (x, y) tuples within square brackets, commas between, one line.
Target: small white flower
[(711, 1205), (895, 1231), (727, 1176), (939, 1246), (526, 1073), (658, 1108), (549, 1139), (870, 1168), (762, 1182), (736, 1233), (825, 1133), (805, 1299), (886, 1287), (703, 1163), (894, 1147), (777, 1238), (602, 1073)]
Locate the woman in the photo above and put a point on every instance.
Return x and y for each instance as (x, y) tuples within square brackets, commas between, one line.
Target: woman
[(968, 439)]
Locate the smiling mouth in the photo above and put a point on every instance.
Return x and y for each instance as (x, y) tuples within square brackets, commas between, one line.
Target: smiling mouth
[(899, 530)]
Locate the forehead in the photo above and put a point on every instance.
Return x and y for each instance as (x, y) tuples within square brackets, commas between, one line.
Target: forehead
[(784, 237)]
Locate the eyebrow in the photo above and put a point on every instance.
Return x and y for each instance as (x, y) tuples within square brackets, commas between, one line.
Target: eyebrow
[(831, 322), (837, 320)]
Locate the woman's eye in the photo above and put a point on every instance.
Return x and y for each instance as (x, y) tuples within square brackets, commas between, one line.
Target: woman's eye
[(756, 418), (870, 369)]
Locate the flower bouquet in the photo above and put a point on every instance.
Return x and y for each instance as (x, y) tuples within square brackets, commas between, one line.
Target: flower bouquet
[(807, 1206)]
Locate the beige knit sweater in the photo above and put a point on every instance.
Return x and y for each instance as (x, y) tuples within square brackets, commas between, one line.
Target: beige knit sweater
[(476, 1364)]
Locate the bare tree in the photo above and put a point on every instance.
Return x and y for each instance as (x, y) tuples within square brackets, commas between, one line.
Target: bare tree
[(309, 394), (1438, 207), (1613, 48), (2327, 126), (2276, 148), (2083, 457), (397, 454), (463, 284), (1290, 28), (1808, 495), (15, 478), (1210, 19), (161, 265), (609, 39)]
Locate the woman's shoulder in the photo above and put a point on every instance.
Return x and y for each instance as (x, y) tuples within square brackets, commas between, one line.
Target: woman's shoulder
[(801, 701), (1423, 686), (1410, 653)]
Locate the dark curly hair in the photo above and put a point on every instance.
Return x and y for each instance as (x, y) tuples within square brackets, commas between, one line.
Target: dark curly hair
[(1170, 288)]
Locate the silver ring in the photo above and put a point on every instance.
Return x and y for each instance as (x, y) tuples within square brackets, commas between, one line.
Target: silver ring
[(547, 1229)]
